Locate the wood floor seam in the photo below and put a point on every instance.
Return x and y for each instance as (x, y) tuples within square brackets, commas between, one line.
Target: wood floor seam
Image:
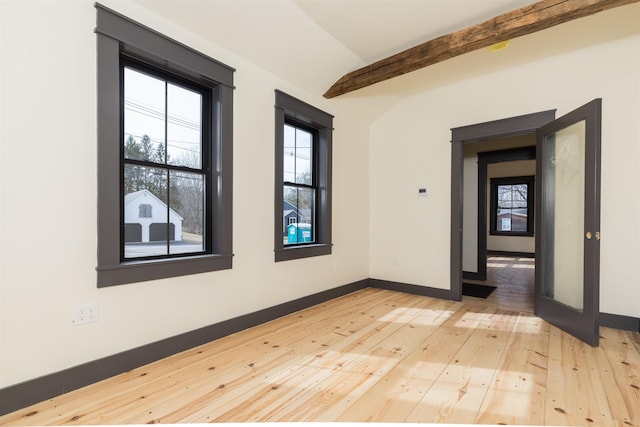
[(375, 356)]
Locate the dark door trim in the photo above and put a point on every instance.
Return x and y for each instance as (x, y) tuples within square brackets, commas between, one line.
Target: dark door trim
[(513, 126), (582, 323)]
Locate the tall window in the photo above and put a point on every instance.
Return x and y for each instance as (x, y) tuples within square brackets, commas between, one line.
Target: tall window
[(299, 183), (165, 119), (165, 161), (512, 206), (303, 179)]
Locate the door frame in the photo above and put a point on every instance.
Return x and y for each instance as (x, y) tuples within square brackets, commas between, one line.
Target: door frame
[(484, 160), (512, 126)]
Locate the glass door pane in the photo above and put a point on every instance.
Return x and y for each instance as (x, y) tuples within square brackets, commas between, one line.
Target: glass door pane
[(564, 203)]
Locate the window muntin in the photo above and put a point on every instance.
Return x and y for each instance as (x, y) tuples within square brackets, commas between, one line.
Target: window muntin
[(163, 165), (303, 146), (512, 206)]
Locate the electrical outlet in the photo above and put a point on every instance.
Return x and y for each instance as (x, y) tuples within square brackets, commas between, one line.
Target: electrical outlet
[(86, 313)]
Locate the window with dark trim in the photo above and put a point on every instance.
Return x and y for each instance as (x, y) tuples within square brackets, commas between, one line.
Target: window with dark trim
[(164, 156), (303, 138), (512, 206)]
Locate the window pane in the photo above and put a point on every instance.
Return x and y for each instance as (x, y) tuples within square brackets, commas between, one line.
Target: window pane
[(184, 127), (289, 164), (519, 220), (512, 208), (144, 117), (298, 155), (504, 196), (304, 141), (300, 219), (504, 220), (187, 212), (145, 211)]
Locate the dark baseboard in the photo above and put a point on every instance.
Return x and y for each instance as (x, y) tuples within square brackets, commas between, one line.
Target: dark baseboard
[(413, 289), (33, 391), (513, 254), (37, 390), (468, 275), (618, 321)]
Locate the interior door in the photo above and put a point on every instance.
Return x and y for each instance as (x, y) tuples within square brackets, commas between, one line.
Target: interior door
[(568, 222)]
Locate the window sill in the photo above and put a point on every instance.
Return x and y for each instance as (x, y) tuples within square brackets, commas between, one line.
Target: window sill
[(306, 251), (511, 234), (140, 271)]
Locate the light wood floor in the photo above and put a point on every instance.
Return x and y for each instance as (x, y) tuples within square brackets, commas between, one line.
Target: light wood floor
[(375, 355), (514, 279)]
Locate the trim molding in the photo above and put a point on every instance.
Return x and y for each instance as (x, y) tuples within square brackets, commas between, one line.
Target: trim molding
[(514, 254), (512, 126), (21, 395), (470, 275), (618, 321), (36, 390), (414, 289)]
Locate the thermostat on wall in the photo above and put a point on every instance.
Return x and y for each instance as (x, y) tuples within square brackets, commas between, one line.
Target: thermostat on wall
[(422, 192)]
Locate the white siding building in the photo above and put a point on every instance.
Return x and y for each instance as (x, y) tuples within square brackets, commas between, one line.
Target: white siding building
[(145, 218)]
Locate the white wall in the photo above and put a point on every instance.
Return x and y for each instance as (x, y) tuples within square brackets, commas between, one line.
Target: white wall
[(48, 193), (410, 148)]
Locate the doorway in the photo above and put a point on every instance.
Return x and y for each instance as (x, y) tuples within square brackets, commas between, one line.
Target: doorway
[(567, 241), (512, 280), (487, 164), (498, 221), (498, 129)]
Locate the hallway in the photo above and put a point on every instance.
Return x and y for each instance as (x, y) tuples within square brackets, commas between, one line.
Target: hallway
[(514, 279)]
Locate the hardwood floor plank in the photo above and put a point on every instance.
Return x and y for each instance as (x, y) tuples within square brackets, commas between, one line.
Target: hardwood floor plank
[(618, 363), (361, 355), (457, 393), (575, 395), (514, 280), (243, 370), (402, 388), (125, 387), (517, 392), (282, 350), (375, 355), (374, 360)]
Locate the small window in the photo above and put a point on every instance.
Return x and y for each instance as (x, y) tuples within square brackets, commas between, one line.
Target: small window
[(165, 127), (145, 211), (512, 206), (303, 179)]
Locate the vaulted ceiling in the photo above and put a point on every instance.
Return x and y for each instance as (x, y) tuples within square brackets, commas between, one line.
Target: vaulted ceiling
[(312, 43), (375, 29)]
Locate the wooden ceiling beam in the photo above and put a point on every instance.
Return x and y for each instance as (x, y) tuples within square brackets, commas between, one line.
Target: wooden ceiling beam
[(525, 20)]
